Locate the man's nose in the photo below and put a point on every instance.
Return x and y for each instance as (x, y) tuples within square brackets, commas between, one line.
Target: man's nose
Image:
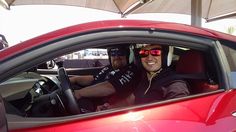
[(117, 57), (149, 57)]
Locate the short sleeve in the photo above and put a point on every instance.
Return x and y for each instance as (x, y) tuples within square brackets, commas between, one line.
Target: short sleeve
[(101, 76), (125, 79)]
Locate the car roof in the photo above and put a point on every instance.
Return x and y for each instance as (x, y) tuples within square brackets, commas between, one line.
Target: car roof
[(113, 24)]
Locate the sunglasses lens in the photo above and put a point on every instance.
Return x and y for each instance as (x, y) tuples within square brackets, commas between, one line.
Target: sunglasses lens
[(143, 53), (155, 52)]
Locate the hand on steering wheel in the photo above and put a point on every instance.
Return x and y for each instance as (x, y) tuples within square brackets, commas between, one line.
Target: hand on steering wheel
[(72, 105)]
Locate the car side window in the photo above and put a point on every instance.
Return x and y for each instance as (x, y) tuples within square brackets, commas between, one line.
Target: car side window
[(230, 53), (87, 58), (231, 57)]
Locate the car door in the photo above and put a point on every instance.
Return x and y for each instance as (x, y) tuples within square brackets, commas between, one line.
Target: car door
[(230, 53), (3, 120), (196, 112), (229, 49)]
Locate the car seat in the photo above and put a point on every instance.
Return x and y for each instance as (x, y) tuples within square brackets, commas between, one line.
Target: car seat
[(192, 68)]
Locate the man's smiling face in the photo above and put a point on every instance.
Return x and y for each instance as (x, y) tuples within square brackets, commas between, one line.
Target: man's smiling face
[(152, 59)]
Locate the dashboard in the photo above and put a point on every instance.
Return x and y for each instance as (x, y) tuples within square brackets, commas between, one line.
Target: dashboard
[(38, 96)]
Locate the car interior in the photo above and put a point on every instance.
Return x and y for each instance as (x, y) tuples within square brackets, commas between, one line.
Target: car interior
[(197, 74), (37, 91)]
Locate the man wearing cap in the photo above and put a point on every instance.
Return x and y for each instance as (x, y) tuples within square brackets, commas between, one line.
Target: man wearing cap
[(118, 58), (159, 81), (118, 78)]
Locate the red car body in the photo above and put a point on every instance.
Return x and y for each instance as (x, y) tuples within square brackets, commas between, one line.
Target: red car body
[(81, 28), (210, 112)]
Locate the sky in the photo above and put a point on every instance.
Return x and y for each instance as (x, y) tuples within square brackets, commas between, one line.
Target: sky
[(25, 22)]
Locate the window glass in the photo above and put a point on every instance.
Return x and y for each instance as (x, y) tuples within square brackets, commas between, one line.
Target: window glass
[(85, 58), (231, 57), (230, 53)]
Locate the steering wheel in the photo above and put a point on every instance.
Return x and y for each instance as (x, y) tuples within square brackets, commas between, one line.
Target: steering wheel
[(72, 105)]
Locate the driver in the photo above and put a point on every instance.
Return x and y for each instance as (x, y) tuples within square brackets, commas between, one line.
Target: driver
[(118, 58), (116, 75)]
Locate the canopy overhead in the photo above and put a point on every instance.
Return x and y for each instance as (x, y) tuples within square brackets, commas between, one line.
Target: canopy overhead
[(210, 9), (116, 6)]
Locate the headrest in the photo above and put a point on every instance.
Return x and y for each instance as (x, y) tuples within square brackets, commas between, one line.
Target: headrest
[(192, 62)]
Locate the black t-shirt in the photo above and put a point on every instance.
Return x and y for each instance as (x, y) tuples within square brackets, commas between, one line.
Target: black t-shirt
[(165, 85), (125, 79), (103, 75)]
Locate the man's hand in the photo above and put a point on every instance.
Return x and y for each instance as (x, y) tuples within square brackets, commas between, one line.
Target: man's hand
[(98, 90), (103, 107)]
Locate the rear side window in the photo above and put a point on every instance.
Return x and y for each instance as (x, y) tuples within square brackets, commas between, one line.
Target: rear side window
[(230, 53)]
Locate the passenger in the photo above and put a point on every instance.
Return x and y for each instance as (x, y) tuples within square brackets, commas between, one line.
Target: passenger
[(158, 81)]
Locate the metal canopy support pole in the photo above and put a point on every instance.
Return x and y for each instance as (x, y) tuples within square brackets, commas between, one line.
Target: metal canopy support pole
[(4, 4), (134, 7), (196, 13), (233, 14)]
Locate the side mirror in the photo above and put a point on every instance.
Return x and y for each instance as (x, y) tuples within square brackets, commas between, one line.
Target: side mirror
[(51, 64), (47, 65)]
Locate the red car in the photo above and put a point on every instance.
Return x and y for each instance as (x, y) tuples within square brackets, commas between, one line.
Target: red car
[(205, 58)]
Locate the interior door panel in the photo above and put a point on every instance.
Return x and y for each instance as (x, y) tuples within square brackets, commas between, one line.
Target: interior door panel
[(3, 120)]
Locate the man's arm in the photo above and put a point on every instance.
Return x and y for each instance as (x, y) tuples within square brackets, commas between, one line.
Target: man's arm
[(87, 80), (175, 90), (98, 90), (119, 82), (128, 101), (82, 80)]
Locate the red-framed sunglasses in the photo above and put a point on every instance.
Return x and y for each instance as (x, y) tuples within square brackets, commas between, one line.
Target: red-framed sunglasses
[(153, 52)]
